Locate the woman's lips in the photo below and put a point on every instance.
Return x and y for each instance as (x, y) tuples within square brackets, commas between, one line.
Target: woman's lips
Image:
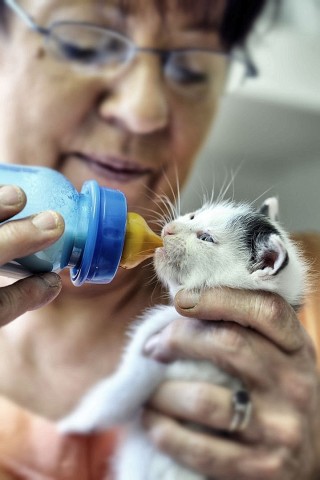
[(114, 168)]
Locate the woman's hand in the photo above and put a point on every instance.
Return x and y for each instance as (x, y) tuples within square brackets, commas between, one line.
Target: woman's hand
[(23, 237), (261, 342)]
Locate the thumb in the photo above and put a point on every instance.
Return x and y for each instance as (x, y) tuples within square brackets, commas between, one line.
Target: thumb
[(27, 294)]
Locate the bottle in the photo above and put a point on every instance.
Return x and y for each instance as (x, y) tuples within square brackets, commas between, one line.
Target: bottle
[(99, 235)]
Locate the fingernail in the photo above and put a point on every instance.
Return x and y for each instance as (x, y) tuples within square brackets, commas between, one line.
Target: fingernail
[(10, 195), (46, 221), (187, 300), (50, 279)]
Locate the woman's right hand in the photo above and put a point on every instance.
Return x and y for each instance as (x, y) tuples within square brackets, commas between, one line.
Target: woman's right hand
[(19, 238)]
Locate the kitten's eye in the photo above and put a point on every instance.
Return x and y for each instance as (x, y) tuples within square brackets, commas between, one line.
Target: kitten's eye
[(192, 216), (206, 237)]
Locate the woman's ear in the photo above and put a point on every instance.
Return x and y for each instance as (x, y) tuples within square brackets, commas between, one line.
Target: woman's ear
[(271, 257), (270, 208)]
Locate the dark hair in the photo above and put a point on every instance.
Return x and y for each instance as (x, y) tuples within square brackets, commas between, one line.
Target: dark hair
[(2, 13), (237, 21)]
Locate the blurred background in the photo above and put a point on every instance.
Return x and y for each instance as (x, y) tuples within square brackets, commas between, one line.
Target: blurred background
[(267, 134)]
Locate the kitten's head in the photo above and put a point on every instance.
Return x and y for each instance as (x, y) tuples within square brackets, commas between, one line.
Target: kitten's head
[(226, 244)]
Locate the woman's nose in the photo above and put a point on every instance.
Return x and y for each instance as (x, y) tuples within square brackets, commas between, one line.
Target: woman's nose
[(138, 102)]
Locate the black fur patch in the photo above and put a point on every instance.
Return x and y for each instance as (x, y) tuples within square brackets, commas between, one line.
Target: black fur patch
[(254, 230)]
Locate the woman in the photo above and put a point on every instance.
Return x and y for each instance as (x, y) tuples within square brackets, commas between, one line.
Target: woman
[(131, 125)]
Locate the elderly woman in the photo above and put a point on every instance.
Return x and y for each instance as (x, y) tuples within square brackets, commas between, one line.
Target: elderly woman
[(132, 124)]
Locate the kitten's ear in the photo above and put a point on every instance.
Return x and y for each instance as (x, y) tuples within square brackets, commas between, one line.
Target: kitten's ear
[(271, 256), (270, 208)]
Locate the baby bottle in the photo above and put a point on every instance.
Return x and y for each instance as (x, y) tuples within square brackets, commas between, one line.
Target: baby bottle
[(99, 235)]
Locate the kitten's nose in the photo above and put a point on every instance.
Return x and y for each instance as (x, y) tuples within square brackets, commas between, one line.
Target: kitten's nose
[(168, 230)]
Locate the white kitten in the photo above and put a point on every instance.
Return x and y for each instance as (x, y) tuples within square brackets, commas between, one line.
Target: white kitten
[(221, 244)]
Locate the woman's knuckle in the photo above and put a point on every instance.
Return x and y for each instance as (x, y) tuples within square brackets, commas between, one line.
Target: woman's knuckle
[(201, 402), (202, 459), (254, 464), (6, 303), (20, 295), (230, 337), (300, 388), (161, 435), (274, 309), (8, 233), (272, 465), (171, 337), (13, 229), (235, 338)]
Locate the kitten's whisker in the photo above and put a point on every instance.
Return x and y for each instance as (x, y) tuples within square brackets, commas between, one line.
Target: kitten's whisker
[(153, 279), (203, 196), (260, 196), (225, 187), (222, 189), (178, 201), (154, 221), (206, 198), (160, 203), (164, 212), (227, 184), (170, 207), (157, 216), (234, 174), (164, 201), (173, 192), (213, 190), (147, 250), (176, 206)]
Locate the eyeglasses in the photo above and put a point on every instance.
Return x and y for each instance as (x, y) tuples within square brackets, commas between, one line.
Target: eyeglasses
[(91, 46)]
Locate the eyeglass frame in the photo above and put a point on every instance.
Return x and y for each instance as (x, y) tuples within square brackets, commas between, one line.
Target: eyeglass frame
[(250, 67)]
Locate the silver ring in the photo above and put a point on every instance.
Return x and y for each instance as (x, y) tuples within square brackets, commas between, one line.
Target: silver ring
[(242, 409)]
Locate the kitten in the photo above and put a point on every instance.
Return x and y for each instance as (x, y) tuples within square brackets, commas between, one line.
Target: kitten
[(221, 244)]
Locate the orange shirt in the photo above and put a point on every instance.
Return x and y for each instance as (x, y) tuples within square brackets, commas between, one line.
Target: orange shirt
[(310, 314), (31, 448)]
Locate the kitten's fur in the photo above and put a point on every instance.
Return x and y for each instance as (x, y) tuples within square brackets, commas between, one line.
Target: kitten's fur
[(221, 244)]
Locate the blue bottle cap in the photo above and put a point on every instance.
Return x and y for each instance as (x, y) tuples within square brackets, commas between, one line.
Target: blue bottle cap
[(106, 234)]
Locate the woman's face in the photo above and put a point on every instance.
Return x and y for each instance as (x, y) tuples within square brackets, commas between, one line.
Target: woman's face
[(133, 132)]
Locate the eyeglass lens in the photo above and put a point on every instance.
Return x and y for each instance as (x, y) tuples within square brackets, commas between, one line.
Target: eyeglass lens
[(88, 45)]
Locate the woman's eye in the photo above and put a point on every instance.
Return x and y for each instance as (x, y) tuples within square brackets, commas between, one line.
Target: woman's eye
[(187, 76), (110, 52), (78, 53), (206, 237)]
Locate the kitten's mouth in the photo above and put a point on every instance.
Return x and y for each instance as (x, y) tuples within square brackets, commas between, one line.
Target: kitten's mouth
[(160, 253), (169, 260)]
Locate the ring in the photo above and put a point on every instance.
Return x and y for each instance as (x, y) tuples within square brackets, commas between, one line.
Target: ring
[(242, 409)]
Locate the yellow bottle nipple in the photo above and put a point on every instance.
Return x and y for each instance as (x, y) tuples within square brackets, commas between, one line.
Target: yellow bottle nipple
[(140, 242)]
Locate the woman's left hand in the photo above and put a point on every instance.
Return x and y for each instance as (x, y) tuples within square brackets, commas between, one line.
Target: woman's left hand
[(261, 342)]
